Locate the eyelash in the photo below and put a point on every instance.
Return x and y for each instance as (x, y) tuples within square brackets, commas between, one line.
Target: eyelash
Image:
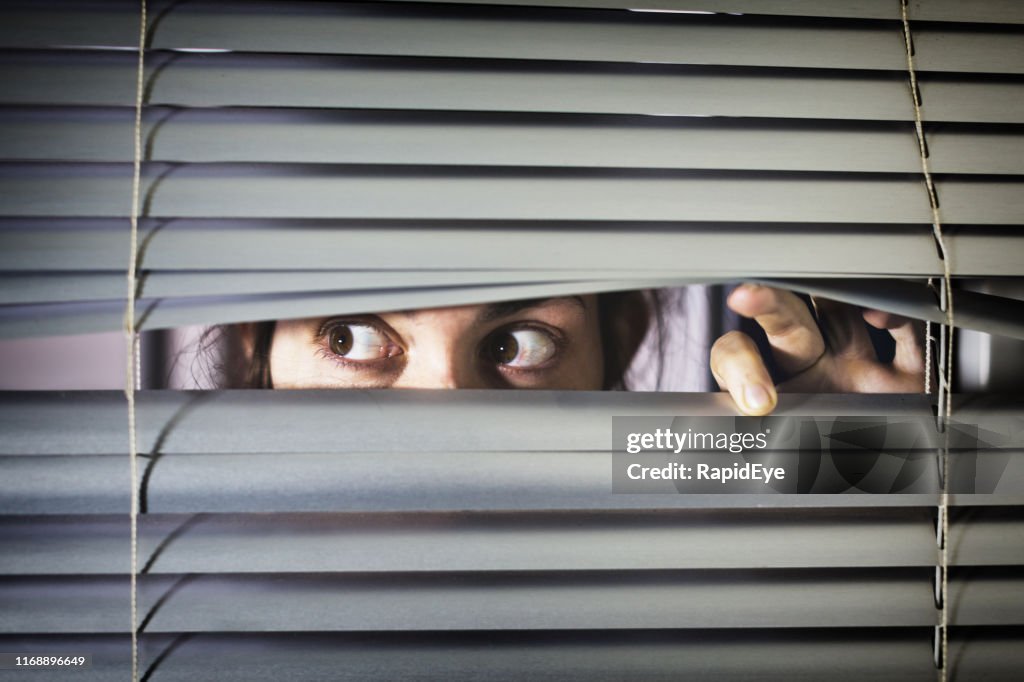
[(556, 336), (323, 344), (323, 350)]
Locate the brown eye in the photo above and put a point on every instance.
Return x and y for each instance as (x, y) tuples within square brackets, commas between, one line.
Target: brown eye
[(504, 348), (340, 340), (521, 348), (359, 342)]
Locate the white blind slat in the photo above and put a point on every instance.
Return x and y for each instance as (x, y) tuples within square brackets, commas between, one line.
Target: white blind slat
[(544, 541), (483, 480), (512, 33), (995, 11), (411, 602), (582, 656), (428, 421), (694, 249), (208, 80)]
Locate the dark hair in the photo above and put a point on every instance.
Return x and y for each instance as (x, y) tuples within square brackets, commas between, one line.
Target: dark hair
[(623, 317)]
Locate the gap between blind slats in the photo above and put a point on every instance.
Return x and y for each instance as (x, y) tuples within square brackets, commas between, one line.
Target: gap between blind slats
[(518, 33), (687, 539), (212, 80)]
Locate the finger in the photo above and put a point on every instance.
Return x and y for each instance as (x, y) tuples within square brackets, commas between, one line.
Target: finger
[(909, 336), (844, 327), (879, 319), (739, 369), (794, 337)]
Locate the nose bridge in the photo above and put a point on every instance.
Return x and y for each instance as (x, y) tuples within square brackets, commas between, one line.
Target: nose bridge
[(439, 369), (440, 363)]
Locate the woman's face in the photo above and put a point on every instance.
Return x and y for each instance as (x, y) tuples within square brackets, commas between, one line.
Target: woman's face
[(552, 343)]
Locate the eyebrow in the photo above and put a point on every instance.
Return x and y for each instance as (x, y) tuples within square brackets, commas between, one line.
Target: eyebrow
[(493, 311), (501, 309), (496, 311)]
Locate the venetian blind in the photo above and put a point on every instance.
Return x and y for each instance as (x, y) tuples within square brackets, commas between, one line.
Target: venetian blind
[(318, 157), (308, 158)]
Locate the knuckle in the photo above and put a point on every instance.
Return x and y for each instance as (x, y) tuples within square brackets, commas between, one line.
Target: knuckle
[(786, 327)]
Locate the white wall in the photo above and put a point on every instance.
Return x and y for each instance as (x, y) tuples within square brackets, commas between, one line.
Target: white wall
[(86, 361)]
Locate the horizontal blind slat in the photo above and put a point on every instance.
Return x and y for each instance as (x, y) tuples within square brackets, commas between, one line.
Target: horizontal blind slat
[(568, 656), (309, 136), (429, 420), (691, 249), (499, 34), (992, 314), (351, 193), (94, 316), (400, 482), (38, 288), (315, 192), (882, 598), (515, 33), (348, 137), (213, 80), (705, 539), (994, 11)]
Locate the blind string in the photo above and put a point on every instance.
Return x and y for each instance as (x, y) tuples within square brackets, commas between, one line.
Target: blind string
[(928, 341), (946, 301), (928, 357), (133, 368), (945, 393)]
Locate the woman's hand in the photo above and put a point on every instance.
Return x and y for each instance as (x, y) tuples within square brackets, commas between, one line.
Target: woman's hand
[(846, 364)]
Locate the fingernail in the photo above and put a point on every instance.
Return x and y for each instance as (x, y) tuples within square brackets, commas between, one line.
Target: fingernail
[(757, 396)]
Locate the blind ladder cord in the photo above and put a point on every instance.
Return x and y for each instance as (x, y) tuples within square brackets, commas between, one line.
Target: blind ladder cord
[(133, 365), (945, 381)]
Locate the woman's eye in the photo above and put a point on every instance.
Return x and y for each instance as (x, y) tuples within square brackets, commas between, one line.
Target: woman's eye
[(360, 342), (521, 348)]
